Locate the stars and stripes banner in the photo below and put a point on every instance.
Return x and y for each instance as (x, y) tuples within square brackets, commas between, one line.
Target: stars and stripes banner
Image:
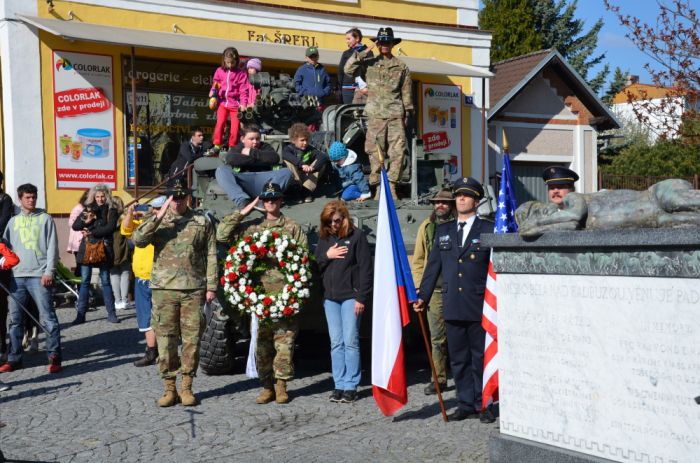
[(505, 223), (393, 289)]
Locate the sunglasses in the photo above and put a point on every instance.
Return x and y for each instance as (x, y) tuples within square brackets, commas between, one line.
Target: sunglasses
[(337, 220)]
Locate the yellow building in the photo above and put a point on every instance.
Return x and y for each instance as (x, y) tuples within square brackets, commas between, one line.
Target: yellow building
[(66, 68)]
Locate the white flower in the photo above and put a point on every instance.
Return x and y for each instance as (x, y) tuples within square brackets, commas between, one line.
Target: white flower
[(296, 258), (295, 267), (242, 281), (303, 279), (302, 271), (253, 297), (297, 284)]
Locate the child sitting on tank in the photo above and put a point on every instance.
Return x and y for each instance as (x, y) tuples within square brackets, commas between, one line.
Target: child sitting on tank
[(354, 183), (306, 162)]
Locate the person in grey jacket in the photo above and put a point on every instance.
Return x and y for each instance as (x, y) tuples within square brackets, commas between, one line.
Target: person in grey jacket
[(32, 236)]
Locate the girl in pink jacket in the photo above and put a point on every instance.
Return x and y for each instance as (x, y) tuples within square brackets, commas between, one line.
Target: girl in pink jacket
[(231, 88)]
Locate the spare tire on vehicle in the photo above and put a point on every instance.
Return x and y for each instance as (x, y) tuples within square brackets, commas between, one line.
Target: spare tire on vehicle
[(216, 349)]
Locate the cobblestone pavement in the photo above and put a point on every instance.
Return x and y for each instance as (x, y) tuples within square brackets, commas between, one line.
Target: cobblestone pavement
[(101, 408)]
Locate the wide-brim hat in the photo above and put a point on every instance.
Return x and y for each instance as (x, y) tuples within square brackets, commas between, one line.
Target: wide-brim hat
[(271, 191), (468, 186), (385, 35), (557, 175), (177, 189), (442, 195)]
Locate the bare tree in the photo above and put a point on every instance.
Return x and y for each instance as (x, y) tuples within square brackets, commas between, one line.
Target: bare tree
[(673, 44)]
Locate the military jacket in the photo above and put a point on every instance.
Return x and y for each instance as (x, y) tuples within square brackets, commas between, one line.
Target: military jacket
[(232, 229), (463, 268), (184, 250), (388, 82)]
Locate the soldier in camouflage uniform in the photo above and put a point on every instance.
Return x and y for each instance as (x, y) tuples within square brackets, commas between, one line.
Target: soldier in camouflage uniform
[(184, 275), (275, 341), (389, 104)]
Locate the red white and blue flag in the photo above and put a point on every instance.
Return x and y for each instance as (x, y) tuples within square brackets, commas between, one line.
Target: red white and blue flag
[(505, 223), (393, 290)]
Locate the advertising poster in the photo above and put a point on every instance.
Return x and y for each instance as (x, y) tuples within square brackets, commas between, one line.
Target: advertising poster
[(442, 125), (84, 118)]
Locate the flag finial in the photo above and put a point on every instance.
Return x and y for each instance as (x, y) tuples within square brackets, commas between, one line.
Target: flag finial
[(506, 148)]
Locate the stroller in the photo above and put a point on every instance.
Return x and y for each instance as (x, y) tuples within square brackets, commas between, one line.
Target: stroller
[(66, 286)]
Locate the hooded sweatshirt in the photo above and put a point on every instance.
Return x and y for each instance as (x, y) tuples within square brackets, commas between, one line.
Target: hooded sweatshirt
[(32, 236)]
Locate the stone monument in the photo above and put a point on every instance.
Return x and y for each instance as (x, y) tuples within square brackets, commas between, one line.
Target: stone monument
[(599, 345)]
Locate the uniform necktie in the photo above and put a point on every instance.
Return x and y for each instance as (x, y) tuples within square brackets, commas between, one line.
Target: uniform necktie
[(460, 232)]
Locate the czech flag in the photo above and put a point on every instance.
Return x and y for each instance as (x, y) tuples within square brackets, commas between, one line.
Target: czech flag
[(393, 290)]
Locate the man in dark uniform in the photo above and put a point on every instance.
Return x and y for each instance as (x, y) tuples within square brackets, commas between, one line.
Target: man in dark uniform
[(560, 182), (458, 255)]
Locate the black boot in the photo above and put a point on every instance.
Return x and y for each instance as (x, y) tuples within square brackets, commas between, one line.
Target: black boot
[(149, 358)]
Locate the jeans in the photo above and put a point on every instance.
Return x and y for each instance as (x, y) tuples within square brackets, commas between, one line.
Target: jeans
[(344, 331), (242, 186), (84, 293), (144, 304), (119, 277), (20, 288)]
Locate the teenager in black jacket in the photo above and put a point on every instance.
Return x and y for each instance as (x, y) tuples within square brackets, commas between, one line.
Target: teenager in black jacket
[(97, 223), (346, 266), (346, 82)]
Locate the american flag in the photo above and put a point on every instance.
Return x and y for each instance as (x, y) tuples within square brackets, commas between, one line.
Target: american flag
[(505, 223)]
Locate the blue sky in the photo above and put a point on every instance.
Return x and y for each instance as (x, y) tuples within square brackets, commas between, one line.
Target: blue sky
[(620, 51)]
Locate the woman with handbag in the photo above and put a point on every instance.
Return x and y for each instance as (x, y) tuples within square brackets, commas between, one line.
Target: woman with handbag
[(97, 223)]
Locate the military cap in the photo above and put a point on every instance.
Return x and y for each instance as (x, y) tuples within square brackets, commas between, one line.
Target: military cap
[(386, 35), (442, 195), (271, 191), (177, 189), (557, 175), (468, 186)]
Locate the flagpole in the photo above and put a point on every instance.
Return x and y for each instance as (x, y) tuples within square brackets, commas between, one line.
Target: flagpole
[(432, 366)]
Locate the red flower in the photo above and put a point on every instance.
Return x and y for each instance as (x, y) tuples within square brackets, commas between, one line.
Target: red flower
[(282, 264), (288, 312), (248, 239), (223, 281), (243, 268), (253, 247), (275, 235), (267, 301), (297, 276), (232, 276), (228, 264), (266, 313), (290, 287), (248, 289), (304, 259), (232, 249)]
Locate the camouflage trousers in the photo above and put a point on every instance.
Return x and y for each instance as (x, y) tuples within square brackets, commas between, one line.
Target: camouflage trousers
[(177, 315), (388, 137), (438, 337), (275, 349)]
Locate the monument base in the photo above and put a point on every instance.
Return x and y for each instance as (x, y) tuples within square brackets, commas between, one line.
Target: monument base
[(507, 449)]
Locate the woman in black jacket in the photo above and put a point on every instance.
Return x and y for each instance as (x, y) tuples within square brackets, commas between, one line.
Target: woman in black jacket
[(346, 266), (97, 223)]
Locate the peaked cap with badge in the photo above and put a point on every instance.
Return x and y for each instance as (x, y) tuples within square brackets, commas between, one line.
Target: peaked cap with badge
[(386, 35), (557, 175), (271, 191), (468, 186)]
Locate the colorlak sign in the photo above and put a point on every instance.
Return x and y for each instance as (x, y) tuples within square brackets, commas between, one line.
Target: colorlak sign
[(84, 120), (442, 125)]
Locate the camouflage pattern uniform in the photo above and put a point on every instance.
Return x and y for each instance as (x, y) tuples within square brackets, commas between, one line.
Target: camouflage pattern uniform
[(184, 268), (388, 101), (436, 322), (275, 343)]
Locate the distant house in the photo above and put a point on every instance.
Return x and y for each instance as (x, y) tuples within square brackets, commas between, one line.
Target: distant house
[(550, 117), (658, 121)]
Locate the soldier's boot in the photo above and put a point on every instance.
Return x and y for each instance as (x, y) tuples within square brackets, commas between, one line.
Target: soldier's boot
[(170, 396), (267, 394), (149, 357), (187, 398), (281, 392)]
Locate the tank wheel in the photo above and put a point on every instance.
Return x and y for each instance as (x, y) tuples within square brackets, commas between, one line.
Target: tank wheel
[(216, 348)]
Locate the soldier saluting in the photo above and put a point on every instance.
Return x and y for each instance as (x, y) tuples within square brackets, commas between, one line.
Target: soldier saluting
[(183, 277), (389, 104), (275, 341)]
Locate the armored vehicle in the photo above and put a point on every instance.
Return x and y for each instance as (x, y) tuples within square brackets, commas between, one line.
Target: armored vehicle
[(277, 107)]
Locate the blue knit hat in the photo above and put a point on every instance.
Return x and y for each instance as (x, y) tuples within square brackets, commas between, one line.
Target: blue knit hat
[(337, 151)]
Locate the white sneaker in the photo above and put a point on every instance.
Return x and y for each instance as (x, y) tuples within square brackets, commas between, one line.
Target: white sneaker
[(3, 386), (364, 196), (121, 305)]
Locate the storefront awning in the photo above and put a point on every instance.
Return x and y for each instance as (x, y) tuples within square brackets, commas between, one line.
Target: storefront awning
[(76, 30)]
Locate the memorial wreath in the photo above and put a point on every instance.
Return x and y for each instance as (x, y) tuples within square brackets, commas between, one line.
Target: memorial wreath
[(250, 258)]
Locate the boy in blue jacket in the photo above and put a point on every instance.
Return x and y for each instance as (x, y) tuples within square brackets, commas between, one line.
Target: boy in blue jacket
[(354, 183), (311, 78)]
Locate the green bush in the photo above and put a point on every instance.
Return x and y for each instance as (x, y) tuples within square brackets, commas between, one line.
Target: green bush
[(665, 158)]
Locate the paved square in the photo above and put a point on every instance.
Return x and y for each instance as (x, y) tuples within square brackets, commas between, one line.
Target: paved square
[(102, 408)]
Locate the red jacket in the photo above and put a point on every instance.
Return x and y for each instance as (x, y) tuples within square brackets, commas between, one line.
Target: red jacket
[(9, 259), (233, 87)]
